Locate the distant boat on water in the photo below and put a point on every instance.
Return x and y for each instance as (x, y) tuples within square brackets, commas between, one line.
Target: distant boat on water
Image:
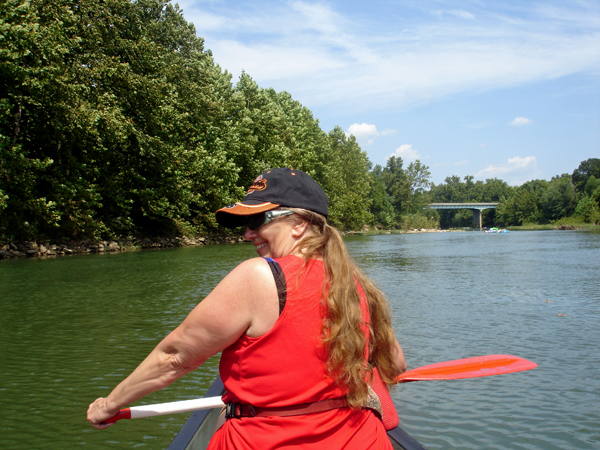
[(496, 230)]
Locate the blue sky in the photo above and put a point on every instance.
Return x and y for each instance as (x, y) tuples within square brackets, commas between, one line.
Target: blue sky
[(506, 89)]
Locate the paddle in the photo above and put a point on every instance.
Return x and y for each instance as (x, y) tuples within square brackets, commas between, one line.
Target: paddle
[(479, 366), (160, 409)]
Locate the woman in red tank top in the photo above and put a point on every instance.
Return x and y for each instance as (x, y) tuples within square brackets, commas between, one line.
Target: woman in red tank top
[(300, 328)]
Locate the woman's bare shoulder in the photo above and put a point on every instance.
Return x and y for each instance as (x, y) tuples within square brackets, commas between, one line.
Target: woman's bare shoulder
[(252, 271)]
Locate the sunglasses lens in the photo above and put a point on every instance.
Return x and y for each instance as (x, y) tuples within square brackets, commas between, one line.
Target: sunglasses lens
[(255, 221)]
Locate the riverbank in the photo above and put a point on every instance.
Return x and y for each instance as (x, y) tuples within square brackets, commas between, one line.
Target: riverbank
[(410, 231), (565, 225), (47, 249)]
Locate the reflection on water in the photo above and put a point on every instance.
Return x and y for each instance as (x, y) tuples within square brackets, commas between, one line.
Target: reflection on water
[(71, 328)]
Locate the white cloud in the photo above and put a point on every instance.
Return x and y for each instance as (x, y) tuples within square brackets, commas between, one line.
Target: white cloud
[(364, 133), (406, 152), (513, 164), (457, 13), (462, 162), (325, 55), (318, 17), (520, 121), (462, 14)]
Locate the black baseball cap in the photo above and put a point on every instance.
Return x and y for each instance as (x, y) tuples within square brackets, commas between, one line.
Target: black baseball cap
[(273, 189)]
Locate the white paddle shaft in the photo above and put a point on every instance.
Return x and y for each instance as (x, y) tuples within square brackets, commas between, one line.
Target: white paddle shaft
[(176, 407)]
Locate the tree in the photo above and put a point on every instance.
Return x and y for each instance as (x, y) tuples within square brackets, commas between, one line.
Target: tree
[(305, 139), (454, 190), (558, 200), (451, 191), (381, 207), (588, 208), (263, 131), (114, 119), (588, 168), (592, 184), (418, 176), (397, 185), (343, 174)]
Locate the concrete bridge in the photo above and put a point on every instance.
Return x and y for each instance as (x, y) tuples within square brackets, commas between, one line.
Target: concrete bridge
[(475, 207)]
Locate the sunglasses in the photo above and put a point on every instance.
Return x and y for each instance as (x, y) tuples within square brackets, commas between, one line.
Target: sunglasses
[(255, 221)]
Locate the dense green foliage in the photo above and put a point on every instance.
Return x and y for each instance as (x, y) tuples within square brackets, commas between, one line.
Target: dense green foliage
[(399, 196), (454, 190), (115, 121), (534, 202), (113, 118), (541, 201)]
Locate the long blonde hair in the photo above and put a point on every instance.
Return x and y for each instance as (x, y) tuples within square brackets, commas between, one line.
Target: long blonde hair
[(343, 332)]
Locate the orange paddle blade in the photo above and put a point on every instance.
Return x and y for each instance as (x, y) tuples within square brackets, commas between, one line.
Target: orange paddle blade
[(479, 366)]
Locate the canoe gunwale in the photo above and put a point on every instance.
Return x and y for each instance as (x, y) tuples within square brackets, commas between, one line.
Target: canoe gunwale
[(185, 436)]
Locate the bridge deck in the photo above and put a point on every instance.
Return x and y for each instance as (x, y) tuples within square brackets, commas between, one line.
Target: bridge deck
[(473, 206)]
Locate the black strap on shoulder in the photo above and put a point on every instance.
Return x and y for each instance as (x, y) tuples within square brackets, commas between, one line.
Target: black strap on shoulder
[(279, 281)]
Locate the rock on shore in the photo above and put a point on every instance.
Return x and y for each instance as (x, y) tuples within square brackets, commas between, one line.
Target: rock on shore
[(50, 249)]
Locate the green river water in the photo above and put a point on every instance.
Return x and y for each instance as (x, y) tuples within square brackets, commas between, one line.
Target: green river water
[(72, 327)]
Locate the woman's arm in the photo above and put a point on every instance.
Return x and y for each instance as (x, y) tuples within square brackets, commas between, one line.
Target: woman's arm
[(399, 359), (245, 301)]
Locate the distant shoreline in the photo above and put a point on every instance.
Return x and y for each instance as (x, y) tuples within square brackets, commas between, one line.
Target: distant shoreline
[(50, 249)]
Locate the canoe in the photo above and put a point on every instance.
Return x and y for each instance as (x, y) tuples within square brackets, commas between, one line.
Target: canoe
[(197, 431)]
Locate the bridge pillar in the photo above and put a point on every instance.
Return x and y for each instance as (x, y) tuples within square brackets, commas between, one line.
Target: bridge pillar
[(477, 218)]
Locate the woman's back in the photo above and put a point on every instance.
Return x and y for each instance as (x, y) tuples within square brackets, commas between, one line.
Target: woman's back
[(287, 367)]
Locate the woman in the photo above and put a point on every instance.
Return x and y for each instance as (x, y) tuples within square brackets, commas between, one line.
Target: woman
[(300, 328)]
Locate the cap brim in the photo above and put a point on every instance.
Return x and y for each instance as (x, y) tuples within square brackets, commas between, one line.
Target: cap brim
[(234, 216)]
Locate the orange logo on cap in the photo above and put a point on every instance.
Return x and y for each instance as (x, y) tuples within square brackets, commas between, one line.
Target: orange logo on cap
[(260, 184)]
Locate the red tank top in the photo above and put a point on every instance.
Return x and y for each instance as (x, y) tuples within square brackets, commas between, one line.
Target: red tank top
[(287, 366)]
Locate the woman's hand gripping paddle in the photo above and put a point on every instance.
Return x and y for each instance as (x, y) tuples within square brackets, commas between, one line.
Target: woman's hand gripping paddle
[(160, 409)]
